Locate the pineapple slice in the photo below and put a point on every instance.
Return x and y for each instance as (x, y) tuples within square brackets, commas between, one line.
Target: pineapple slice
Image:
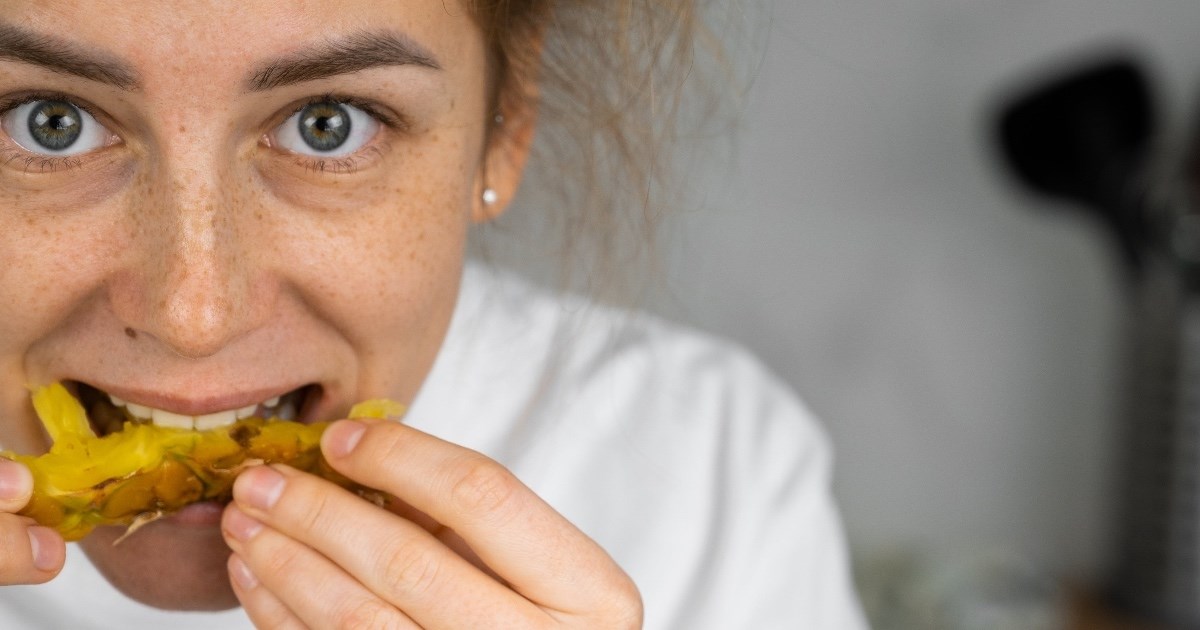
[(144, 472)]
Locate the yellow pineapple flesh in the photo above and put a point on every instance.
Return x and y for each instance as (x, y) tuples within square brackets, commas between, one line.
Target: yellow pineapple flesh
[(145, 471)]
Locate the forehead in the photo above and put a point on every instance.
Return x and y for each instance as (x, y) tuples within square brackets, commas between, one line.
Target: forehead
[(219, 38)]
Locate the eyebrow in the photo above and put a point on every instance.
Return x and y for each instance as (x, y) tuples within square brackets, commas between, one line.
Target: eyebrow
[(356, 52), (353, 53), (64, 57)]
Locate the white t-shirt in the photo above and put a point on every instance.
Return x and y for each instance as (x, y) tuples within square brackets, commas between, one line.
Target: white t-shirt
[(695, 468)]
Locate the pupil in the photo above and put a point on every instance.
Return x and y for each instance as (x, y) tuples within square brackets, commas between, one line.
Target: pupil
[(324, 126), (55, 125)]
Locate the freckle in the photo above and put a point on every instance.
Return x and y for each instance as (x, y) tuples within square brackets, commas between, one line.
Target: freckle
[(182, 129), (131, 333)]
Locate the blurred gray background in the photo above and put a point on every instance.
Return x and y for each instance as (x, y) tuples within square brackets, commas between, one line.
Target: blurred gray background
[(959, 337)]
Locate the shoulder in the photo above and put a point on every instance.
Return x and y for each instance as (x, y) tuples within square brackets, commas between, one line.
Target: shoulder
[(517, 348)]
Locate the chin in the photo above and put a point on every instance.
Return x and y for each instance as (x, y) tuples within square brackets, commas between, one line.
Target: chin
[(165, 564)]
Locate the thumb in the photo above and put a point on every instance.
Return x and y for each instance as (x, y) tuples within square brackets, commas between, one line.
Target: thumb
[(16, 485)]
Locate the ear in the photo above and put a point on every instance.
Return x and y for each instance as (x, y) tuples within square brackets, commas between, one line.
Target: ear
[(509, 141)]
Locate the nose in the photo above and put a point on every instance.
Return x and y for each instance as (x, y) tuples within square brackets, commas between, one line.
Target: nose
[(192, 290)]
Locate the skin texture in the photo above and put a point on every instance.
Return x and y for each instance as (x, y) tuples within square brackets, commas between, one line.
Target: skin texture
[(193, 263)]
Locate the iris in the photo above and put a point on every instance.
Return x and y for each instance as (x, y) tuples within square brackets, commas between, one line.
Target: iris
[(324, 126), (55, 125)]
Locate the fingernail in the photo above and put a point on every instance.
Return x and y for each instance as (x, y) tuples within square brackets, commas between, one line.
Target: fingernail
[(15, 481), (260, 487), (239, 525), (341, 438), (41, 542), (241, 573)]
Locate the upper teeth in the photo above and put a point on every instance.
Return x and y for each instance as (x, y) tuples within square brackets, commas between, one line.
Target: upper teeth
[(206, 421)]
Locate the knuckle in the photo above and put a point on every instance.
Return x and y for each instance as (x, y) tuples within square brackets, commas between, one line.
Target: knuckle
[(620, 604), (382, 439), (630, 611), (306, 505), (268, 613), (313, 507), (378, 450), (367, 614), (483, 487), (411, 567), (274, 556)]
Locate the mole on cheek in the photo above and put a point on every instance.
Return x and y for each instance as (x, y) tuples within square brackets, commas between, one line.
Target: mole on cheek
[(131, 333)]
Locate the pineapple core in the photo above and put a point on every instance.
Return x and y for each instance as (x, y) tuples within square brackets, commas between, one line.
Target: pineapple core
[(144, 472)]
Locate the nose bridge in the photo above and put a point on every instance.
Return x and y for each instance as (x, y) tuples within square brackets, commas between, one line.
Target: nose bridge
[(197, 278)]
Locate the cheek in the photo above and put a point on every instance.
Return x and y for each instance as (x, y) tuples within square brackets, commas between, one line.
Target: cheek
[(381, 257), (57, 247)]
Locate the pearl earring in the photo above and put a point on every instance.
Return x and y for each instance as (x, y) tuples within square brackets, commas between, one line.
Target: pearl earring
[(489, 196)]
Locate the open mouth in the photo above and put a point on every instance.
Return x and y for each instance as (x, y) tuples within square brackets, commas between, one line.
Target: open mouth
[(108, 413), (144, 463)]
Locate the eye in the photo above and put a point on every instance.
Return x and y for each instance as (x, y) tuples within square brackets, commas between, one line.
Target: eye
[(326, 129), (54, 128)]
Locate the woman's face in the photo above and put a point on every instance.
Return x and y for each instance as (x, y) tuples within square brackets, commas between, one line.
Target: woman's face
[(205, 205)]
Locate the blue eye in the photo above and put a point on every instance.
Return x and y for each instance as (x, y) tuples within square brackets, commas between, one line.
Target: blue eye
[(326, 129), (324, 126), (54, 128)]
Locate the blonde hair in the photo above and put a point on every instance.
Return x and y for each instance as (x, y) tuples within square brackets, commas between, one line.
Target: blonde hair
[(608, 78)]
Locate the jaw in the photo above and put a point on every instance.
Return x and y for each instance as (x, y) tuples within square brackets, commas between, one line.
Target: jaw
[(165, 565)]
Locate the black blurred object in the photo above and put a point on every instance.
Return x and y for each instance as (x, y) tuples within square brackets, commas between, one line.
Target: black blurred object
[(1085, 138)]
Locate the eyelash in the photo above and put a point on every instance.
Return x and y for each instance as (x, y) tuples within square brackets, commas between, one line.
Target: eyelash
[(341, 166), (392, 122), (41, 163)]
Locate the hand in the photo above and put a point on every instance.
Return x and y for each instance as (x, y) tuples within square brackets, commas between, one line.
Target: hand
[(29, 553), (465, 546)]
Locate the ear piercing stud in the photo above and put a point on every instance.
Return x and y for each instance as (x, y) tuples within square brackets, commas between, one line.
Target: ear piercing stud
[(489, 196)]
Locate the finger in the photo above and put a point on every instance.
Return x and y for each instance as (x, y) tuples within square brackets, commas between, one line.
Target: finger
[(264, 609), (535, 549), (16, 485), (399, 561), (29, 553), (444, 534), (291, 577)]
